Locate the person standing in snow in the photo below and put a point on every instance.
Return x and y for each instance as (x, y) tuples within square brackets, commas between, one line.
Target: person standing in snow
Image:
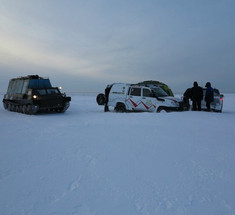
[(197, 96), (187, 96), (209, 97), (107, 91)]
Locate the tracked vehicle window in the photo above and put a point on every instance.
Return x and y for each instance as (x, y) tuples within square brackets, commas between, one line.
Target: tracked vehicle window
[(52, 91), (13, 87), (42, 92), (39, 83), (9, 90), (19, 86), (25, 85), (147, 93), (135, 91)]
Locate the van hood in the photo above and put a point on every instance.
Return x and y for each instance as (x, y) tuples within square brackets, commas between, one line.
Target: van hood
[(171, 98)]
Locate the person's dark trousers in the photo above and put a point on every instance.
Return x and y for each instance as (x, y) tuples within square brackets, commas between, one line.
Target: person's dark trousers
[(106, 108), (197, 105), (208, 106), (194, 105)]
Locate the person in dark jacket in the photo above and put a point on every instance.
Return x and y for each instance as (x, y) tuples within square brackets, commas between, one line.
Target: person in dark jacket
[(187, 96), (209, 97), (107, 91), (197, 96)]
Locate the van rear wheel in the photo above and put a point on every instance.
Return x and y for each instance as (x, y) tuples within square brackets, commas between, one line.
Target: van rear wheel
[(121, 108)]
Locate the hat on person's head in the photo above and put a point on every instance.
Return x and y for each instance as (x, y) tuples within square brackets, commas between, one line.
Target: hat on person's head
[(208, 84)]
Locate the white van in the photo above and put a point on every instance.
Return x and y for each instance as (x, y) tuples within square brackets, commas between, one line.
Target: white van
[(126, 97)]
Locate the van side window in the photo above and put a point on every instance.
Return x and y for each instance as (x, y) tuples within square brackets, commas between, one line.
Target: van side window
[(135, 91), (147, 93)]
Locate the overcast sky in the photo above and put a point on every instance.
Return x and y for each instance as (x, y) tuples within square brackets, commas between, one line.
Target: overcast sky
[(85, 45)]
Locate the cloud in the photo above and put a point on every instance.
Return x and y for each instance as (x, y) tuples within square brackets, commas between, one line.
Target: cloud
[(101, 42), (23, 52)]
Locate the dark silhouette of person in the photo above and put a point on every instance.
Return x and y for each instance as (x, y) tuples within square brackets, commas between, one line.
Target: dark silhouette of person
[(209, 96), (197, 96), (187, 96), (107, 91)]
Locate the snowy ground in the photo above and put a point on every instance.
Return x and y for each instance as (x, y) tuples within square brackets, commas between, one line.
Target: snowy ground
[(87, 162)]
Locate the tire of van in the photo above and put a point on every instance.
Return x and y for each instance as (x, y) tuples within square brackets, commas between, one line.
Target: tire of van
[(120, 108), (161, 109), (100, 99)]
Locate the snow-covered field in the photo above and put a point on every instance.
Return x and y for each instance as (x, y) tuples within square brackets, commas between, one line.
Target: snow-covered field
[(87, 162)]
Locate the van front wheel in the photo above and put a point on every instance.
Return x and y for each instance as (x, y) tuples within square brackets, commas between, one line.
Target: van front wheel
[(121, 108), (161, 110)]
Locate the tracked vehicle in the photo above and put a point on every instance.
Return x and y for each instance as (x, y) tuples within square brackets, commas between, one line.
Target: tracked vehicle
[(32, 94)]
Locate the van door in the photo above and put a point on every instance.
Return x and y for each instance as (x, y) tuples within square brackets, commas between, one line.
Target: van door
[(148, 99), (141, 99), (134, 98)]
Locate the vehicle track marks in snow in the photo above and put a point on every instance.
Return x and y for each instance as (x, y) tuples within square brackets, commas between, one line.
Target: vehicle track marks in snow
[(74, 185)]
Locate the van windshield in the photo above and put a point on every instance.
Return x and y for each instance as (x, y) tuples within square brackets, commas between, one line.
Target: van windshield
[(159, 92)]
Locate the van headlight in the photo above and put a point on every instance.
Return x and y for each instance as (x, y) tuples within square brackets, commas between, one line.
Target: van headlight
[(35, 97)]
